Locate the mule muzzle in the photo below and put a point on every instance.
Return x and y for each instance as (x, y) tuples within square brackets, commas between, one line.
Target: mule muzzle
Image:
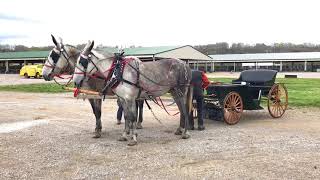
[(47, 77)]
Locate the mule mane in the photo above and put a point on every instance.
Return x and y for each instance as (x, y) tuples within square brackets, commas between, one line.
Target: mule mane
[(72, 50), (104, 53)]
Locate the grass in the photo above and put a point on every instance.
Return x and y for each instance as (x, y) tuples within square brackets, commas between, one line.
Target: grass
[(302, 92), (34, 88)]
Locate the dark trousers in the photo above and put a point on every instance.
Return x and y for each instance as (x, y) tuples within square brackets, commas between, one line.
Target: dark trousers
[(119, 112), (199, 100), (139, 105)]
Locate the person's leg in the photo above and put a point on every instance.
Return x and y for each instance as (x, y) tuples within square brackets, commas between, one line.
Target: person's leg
[(140, 112), (191, 119), (200, 112), (119, 114)]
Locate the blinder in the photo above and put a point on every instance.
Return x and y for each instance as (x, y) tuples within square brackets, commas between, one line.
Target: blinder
[(84, 61), (55, 56)]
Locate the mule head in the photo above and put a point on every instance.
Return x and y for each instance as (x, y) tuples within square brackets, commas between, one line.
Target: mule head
[(58, 60), (85, 64)]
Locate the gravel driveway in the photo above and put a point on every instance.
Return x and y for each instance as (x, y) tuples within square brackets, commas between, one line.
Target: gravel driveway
[(51, 138)]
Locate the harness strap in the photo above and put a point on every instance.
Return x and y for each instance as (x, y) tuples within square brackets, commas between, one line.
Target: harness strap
[(138, 81)]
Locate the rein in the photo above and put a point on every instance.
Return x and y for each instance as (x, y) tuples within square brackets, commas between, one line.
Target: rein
[(162, 106)]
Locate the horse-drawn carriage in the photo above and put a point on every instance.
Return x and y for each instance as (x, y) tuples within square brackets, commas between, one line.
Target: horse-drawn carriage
[(227, 101)]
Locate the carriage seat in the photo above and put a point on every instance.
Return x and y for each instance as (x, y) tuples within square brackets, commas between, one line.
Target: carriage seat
[(260, 77)]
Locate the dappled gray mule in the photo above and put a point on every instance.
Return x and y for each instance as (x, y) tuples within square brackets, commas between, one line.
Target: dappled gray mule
[(139, 80), (62, 59)]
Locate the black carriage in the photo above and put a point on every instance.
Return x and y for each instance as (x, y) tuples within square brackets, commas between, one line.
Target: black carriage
[(227, 101)]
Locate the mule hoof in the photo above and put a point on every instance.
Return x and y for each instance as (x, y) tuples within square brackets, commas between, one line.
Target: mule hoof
[(132, 143), (122, 139), (178, 132), (97, 134), (139, 126), (185, 136)]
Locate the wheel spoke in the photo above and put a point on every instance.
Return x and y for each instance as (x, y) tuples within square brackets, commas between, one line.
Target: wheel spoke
[(234, 118), (238, 103), (231, 98), (228, 116)]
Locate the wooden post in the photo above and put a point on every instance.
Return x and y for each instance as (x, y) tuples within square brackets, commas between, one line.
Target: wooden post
[(305, 65), (7, 66)]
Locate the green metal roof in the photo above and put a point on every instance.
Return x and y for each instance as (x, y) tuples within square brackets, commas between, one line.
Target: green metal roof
[(141, 50), (109, 49), (148, 50), (128, 51), (24, 54)]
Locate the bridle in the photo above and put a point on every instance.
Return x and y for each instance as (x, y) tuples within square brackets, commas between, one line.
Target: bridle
[(55, 56), (86, 59), (112, 76)]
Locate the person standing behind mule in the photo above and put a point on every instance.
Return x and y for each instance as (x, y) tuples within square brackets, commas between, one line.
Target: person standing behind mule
[(139, 104), (199, 82)]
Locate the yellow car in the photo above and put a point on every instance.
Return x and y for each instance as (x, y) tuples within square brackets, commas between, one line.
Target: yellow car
[(31, 71)]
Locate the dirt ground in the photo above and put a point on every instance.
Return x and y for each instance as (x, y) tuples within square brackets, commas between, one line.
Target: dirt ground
[(49, 136)]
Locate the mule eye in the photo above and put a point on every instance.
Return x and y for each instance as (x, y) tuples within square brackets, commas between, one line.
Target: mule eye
[(84, 62)]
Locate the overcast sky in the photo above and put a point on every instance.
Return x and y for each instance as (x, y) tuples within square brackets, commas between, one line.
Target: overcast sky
[(158, 23)]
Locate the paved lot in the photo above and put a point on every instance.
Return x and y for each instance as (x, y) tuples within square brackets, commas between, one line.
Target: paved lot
[(14, 79), (48, 136)]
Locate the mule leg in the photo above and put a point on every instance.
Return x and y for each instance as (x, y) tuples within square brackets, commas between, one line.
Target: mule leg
[(179, 104), (184, 115), (130, 115), (124, 136), (96, 108), (140, 116)]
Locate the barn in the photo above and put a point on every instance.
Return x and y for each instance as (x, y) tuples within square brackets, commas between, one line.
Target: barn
[(11, 62), (298, 61), (190, 55)]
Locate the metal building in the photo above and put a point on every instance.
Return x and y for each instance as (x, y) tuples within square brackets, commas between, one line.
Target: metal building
[(193, 57), (299, 61), (11, 62)]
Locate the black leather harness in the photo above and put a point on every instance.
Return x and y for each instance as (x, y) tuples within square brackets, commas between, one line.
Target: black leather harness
[(116, 76)]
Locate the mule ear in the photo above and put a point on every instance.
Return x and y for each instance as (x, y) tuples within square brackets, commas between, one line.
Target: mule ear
[(61, 43), (60, 39), (91, 46), (55, 42), (88, 48)]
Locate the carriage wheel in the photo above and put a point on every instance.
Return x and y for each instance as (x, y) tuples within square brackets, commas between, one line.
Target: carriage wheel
[(277, 100), (233, 108)]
